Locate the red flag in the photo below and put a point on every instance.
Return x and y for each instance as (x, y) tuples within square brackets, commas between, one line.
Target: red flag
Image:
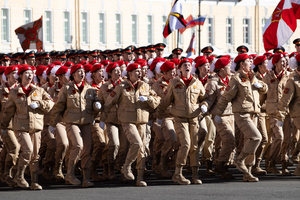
[(280, 27), (187, 20), (296, 8), (31, 35), (191, 49)]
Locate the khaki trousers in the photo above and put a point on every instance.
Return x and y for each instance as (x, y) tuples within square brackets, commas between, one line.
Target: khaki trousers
[(287, 135), (210, 137), (225, 129), (277, 138), (135, 134), (262, 127), (62, 142), (48, 140), (80, 138), (99, 142), (29, 144), (169, 135), (247, 123), (12, 147), (113, 133), (187, 131)]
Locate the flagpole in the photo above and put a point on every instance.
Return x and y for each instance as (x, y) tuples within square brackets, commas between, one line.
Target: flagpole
[(177, 38), (199, 31)]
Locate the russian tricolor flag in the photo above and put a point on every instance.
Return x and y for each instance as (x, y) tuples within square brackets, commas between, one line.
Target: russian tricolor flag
[(198, 21)]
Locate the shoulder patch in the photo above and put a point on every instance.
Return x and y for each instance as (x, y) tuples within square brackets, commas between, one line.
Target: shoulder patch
[(113, 93), (286, 90), (227, 88)]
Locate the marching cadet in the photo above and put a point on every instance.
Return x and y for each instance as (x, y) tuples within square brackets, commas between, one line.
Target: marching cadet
[(207, 51), (154, 70), (11, 144), (159, 50), (59, 132), (215, 88), (276, 81), (167, 124), (243, 92), (134, 98), (288, 103), (113, 127), (261, 70), (207, 131), (185, 93), (77, 104), (26, 104), (145, 67), (176, 53), (98, 135)]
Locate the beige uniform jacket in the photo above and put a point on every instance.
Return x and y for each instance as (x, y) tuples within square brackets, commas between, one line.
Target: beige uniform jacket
[(103, 93), (215, 88), (243, 95), (75, 107), (24, 117), (47, 88), (130, 108), (290, 100), (261, 97), (185, 101), (96, 88), (160, 87), (275, 91), (4, 92)]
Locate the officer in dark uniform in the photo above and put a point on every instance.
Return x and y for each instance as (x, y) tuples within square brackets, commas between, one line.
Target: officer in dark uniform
[(207, 51), (150, 50), (30, 58), (242, 49), (297, 45), (279, 50), (159, 49), (176, 53)]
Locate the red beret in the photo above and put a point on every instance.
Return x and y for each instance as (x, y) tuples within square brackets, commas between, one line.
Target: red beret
[(84, 62), (69, 64), (120, 62), (286, 54), (40, 69), (176, 61), (211, 58), (2, 69), (62, 70), (111, 66), (268, 54), (201, 61), (167, 66), (87, 67), (277, 57), (198, 58), (142, 62), (57, 63), (241, 57), (222, 62), (105, 62), (293, 54), (23, 68), (94, 62), (96, 67), (252, 56), (258, 60), (155, 61), (133, 66), (297, 57), (189, 60), (10, 69), (75, 67)]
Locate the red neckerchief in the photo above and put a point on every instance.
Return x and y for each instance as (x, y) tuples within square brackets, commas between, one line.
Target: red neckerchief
[(26, 91), (187, 81), (203, 81), (279, 76), (226, 81), (165, 80), (59, 85), (95, 86), (135, 85), (114, 85), (50, 85), (81, 87), (6, 84), (262, 75)]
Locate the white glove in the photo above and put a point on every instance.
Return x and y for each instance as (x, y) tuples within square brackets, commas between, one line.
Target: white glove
[(34, 105), (204, 109), (102, 125), (143, 98), (159, 121), (257, 85), (98, 105), (280, 123), (51, 129), (217, 119)]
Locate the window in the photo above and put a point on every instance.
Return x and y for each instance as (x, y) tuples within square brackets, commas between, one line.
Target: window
[(134, 28), (164, 21), (229, 31), (67, 26), (118, 29), (27, 16), (102, 28), (84, 27), (246, 31), (48, 26), (263, 23), (210, 25), (5, 24), (150, 29)]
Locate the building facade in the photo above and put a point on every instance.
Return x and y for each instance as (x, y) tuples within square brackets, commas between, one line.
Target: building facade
[(110, 24)]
